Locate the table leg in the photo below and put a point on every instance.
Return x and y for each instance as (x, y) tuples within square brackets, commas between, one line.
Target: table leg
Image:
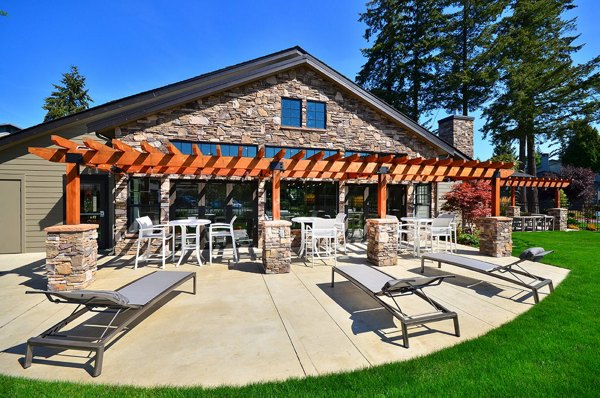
[(302, 243)]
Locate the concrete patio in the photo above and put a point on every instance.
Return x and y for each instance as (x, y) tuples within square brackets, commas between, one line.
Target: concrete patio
[(245, 327)]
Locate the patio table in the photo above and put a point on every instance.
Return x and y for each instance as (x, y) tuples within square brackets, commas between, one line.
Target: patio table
[(184, 223), (302, 221), (418, 223)]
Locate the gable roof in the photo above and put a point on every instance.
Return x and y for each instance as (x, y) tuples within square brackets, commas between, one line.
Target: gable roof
[(134, 107)]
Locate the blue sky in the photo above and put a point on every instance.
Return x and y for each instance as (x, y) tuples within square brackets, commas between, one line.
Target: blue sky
[(125, 47)]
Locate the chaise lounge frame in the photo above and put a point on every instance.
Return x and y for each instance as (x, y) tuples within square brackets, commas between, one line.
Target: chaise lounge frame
[(100, 301), (402, 287), (498, 271)]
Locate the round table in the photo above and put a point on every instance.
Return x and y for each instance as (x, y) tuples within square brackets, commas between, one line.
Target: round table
[(185, 245), (418, 223), (302, 221)]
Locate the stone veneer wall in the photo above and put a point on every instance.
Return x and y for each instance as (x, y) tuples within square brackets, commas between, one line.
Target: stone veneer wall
[(457, 131), (71, 256), (496, 236), (560, 218), (382, 241), (251, 114), (277, 247)]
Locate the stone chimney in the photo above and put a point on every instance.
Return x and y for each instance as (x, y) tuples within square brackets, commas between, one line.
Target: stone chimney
[(457, 130), (545, 166)]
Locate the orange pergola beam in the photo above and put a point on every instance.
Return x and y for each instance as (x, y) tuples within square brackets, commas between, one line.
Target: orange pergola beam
[(382, 195), (276, 194), (496, 196)]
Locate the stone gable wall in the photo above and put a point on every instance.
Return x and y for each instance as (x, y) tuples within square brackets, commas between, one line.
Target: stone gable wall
[(251, 114)]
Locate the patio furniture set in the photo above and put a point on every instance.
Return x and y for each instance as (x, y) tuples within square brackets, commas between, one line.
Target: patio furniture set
[(189, 241), (533, 222)]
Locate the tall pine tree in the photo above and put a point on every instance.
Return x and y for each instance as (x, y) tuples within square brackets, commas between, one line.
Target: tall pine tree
[(540, 90), (69, 97), (404, 58), (468, 68)]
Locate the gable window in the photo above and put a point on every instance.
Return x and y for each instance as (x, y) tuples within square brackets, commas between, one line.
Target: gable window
[(209, 148), (291, 112), (315, 114)]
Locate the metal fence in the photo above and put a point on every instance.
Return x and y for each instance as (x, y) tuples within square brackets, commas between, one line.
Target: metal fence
[(584, 216)]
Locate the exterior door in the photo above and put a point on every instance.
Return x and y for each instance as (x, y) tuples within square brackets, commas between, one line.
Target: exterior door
[(94, 206), (10, 214)]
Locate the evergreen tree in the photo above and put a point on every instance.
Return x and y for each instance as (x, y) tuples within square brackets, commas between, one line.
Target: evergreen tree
[(404, 59), (468, 69), (69, 97), (504, 152), (540, 90), (583, 146)]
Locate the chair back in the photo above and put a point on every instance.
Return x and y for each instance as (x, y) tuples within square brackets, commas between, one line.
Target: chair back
[(441, 222), (393, 218), (447, 215), (340, 218), (143, 223), (232, 220), (323, 223)]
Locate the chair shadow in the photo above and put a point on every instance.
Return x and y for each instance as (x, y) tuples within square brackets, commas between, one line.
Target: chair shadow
[(368, 316), (90, 328)]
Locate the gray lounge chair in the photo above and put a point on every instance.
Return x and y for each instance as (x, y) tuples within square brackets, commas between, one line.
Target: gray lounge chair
[(498, 271), (378, 284), (130, 302)]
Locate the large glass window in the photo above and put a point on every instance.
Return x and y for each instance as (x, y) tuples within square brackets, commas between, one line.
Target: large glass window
[(315, 114), (210, 148), (144, 200), (186, 201), (396, 200), (306, 198), (423, 200), (270, 151), (291, 112)]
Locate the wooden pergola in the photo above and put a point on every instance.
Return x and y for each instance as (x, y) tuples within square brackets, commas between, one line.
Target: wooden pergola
[(121, 158), (535, 182)]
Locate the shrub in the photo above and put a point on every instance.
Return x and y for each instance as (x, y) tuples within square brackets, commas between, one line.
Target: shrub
[(469, 239), (591, 227), (573, 226), (472, 199)]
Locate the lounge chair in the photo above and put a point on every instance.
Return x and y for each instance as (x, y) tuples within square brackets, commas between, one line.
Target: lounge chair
[(498, 271), (131, 301), (378, 284)]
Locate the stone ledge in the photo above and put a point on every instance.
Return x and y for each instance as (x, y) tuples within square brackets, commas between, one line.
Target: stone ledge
[(277, 223), (381, 221), (71, 228)]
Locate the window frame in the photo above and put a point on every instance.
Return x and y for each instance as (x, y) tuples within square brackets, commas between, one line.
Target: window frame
[(419, 204), (284, 117), (131, 206), (308, 115)]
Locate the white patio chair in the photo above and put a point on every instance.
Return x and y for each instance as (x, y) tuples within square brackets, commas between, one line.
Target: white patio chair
[(222, 230), (148, 231), (340, 225), (453, 227), (404, 232), (190, 241), (321, 239), (440, 228)]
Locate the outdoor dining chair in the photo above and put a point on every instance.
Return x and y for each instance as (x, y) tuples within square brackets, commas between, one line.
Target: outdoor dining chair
[(440, 228), (454, 239), (222, 230), (148, 232), (321, 239), (340, 225)]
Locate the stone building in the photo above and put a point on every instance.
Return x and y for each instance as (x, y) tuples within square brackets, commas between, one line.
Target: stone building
[(287, 100)]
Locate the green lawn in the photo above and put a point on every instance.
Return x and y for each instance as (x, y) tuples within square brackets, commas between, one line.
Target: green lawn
[(552, 350)]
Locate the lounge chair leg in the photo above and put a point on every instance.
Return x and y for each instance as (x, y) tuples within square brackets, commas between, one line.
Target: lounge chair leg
[(332, 277), (536, 296), (405, 335), (456, 327), (98, 362), (28, 356)]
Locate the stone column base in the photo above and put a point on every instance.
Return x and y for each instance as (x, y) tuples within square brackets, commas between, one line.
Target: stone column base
[(560, 218), (382, 241), (513, 211), (277, 247), (496, 236), (71, 256)]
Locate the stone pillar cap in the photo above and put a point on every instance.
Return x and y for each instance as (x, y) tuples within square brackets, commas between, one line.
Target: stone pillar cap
[(71, 228)]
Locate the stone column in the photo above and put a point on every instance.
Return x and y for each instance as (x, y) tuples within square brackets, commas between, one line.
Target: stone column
[(382, 241), (513, 211), (71, 255), (496, 236), (560, 218), (277, 247)]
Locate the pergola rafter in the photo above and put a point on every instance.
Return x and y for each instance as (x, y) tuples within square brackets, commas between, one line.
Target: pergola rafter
[(122, 158)]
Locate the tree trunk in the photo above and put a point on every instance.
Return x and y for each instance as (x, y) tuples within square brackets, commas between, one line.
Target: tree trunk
[(522, 162), (464, 88), (532, 169)]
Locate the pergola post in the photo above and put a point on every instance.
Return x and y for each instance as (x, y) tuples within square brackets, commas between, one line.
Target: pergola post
[(496, 194), (513, 210), (382, 195), (557, 198), (73, 205), (276, 185), (513, 197)]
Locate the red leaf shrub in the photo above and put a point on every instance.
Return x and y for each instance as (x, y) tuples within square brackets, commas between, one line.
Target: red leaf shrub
[(472, 199)]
